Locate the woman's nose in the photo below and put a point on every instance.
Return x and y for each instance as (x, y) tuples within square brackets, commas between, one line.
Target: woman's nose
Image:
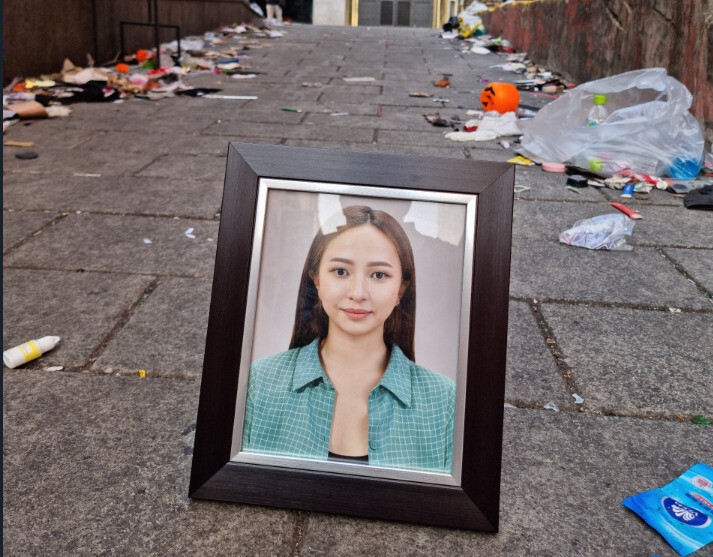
[(357, 288)]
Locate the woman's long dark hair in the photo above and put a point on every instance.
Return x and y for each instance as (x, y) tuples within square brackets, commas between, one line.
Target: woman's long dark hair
[(311, 321)]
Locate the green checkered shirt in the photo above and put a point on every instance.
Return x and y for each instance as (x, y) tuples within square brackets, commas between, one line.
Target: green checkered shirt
[(290, 402)]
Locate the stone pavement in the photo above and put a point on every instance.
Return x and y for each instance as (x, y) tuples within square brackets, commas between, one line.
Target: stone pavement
[(97, 460)]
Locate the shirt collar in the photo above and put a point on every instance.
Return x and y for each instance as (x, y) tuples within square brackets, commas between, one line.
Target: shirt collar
[(308, 367), (396, 379)]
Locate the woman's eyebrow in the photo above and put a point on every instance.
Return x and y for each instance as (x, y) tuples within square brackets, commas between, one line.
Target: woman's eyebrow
[(370, 264)]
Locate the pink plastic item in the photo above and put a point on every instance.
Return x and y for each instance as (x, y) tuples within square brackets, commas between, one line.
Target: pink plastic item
[(553, 167)]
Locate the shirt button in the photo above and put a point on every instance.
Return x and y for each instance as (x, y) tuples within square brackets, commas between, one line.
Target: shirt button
[(373, 445)]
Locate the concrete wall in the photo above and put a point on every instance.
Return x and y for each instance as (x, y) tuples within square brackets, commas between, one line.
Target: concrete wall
[(590, 39), (38, 35), (329, 12)]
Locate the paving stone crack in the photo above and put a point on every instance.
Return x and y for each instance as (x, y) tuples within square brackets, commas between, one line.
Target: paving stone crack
[(122, 319)]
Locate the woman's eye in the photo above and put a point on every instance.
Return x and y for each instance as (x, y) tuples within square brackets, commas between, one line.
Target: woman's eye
[(380, 275), (340, 272)]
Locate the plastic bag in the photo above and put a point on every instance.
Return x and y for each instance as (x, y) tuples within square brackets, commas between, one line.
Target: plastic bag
[(648, 130), (470, 24), (602, 232)]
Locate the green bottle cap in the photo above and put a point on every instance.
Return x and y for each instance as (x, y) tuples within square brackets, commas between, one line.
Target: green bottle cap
[(600, 99)]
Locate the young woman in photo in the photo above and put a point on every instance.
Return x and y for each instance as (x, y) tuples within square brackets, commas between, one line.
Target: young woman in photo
[(348, 388)]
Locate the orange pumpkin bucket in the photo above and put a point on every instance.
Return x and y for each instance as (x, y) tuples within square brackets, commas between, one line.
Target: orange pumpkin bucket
[(501, 97)]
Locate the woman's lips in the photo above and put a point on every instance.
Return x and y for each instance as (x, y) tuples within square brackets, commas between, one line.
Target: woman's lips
[(356, 314)]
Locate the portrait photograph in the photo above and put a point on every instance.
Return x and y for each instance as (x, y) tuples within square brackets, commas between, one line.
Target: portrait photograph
[(356, 333), (356, 343)]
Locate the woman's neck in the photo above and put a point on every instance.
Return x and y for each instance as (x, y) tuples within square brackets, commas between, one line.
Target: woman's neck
[(354, 360)]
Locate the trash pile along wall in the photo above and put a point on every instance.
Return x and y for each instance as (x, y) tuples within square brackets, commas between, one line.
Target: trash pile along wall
[(589, 39), (39, 35)]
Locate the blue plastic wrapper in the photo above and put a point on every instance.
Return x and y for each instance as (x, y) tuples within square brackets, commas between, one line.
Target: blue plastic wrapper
[(682, 511)]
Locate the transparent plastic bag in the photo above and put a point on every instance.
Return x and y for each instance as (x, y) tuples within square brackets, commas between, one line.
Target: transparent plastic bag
[(606, 232), (648, 130)]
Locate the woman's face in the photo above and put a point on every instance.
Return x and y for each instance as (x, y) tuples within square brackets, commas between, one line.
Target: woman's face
[(359, 280)]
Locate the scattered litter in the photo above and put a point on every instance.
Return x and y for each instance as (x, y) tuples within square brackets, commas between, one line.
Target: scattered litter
[(231, 97), (551, 406), (701, 420), (147, 241), (508, 405), (603, 232), (500, 123), (520, 189), (674, 310), (681, 511), (553, 167), (288, 109), (189, 233), (27, 110), (243, 75), (504, 144), (18, 143), (420, 94), (572, 188), (577, 399), (86, 175), (142, 373), (355, 79), (577, 181), (26, 155), (313, 84), (501, 97), (678, 188), (649, 129), (439, 121), (627, 211), (472, 136), (701, 198), (54, 368), (54, 111), (443, 82), (339, 114), (28, 351), (522, 161)]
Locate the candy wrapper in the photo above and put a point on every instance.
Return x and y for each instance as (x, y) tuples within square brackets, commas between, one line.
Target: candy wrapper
[(682, 511)]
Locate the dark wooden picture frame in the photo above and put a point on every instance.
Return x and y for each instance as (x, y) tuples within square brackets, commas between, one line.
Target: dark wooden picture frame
[(474, 504)]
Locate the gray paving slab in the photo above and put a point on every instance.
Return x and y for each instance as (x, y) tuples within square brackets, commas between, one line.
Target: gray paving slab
[(58, 136), (657, 362), (137, 142), (660, 226), (168, 196), (548, 219), (80, 308), (19, 225), (236, 130), (532, 374), (82, 160), (674, 226), (198, 167), (697, 263), (547, 269), (147, 343), (115, 243), (99, 465), (564, 477)]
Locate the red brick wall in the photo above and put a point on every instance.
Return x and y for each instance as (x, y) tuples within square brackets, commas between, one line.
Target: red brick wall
[(590, 39)]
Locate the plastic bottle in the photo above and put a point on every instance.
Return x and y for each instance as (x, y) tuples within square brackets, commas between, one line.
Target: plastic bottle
[(598, 113), (28, 351)]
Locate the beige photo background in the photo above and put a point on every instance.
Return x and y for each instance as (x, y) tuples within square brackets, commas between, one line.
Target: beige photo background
[(436, 232)]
